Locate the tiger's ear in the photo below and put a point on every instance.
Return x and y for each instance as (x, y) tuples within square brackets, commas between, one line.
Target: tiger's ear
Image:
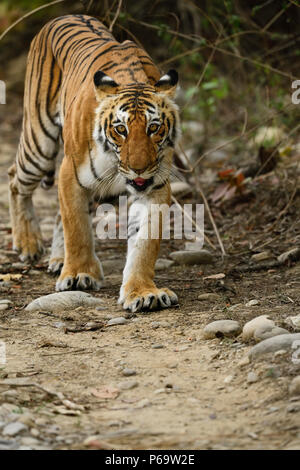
[(167, 83), (104, 85)]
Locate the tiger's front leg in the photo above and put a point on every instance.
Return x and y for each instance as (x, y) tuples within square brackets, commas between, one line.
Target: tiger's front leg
[(82, 268), (138, 291)]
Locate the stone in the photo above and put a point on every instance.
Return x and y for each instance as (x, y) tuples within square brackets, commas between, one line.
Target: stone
[(12, 429), (180, 187), (294, 387), (220, 328), (262, 332), (128, 372), (192, 257), (3, 307), (117, 321), (211, 296), (162, 264), (294, 321), (61, 301), (261, 256), (289, 255), (252, 302), (128, 385), (271, 345), (251, 326), (252, 377)]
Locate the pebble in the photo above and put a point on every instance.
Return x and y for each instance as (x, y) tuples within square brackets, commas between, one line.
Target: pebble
[(209, 296), (290, 254), (63, 301), (12, 429), (117, 321), (192, 257), (252, 378), (3, 306), (251, 326), (128, 385), (128, 372), (251, 303), (266, 332), (162, 264), (294, 387), (263, 255), (221, 328), (157, 346), (228, 379), (274, 344), (294, 321), (179, 187)]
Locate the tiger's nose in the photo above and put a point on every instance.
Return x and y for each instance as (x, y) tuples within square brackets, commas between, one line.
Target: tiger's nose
[(138, 171)]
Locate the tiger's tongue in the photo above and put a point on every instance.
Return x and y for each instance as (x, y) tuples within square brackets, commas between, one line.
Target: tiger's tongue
[(140, 181)]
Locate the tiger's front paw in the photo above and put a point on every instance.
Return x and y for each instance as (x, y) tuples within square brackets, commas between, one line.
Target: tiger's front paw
[(147, 299), (84, 278)]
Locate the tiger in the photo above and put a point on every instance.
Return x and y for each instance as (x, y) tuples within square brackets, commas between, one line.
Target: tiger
[(111, 110)]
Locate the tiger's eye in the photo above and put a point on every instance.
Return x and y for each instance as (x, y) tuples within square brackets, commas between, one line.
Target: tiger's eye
[(153, 127), (121, 129)]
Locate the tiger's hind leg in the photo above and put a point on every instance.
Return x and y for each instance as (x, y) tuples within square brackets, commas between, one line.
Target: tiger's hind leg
[(27, 239), (25, 175), (57, 255)]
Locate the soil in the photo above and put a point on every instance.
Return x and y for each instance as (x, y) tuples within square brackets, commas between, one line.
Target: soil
[(187, 392)]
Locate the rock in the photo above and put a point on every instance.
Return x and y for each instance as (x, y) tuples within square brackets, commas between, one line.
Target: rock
[(294, 322), (289, 255), (209, 296), (235, 307), (117, 321), (273, 344), (220, 328), (252, 377), (12, 429), (61, 301), (294, 387), (128, 385), (258, 322), (192, 257), (5, 301), (180, 187), (267, 332), (261, 256), (128, 372), (228, 379), (162, 264), (157, 346), (251, 303), (3, 306), (113, 266)]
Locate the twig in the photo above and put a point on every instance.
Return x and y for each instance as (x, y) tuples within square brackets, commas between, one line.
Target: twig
[(116, 16), (193, 222), (200, 79), (210, 217), (28, 14)]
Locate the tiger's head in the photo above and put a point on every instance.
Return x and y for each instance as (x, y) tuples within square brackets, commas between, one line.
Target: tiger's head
[(138, 125)]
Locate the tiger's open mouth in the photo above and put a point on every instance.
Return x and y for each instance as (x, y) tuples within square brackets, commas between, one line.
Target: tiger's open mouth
[(140, 184)]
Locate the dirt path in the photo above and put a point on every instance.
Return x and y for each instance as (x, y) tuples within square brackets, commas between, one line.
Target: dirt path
[(183, 392)]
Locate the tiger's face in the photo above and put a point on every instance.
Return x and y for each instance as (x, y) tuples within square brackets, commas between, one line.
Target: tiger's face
[(138, 125)]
